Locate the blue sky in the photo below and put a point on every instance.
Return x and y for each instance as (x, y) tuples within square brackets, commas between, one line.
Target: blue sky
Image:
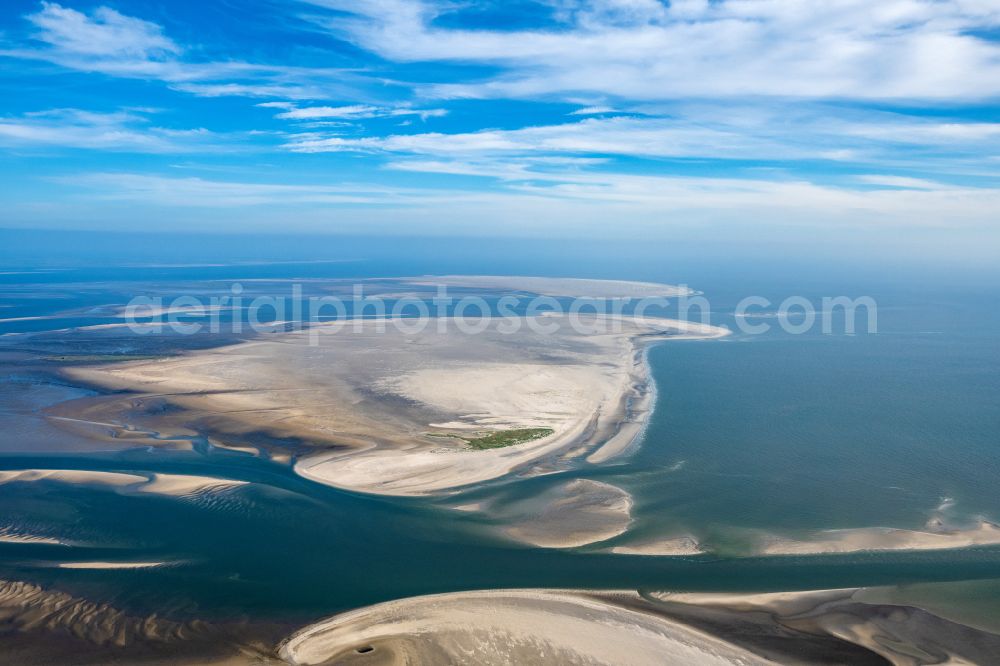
[(480, 117)]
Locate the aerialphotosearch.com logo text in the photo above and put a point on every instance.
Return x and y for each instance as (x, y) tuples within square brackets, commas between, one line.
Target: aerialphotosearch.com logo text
[(236, 312)]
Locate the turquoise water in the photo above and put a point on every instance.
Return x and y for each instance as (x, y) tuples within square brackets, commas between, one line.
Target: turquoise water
[(776, 433), (810, 432)]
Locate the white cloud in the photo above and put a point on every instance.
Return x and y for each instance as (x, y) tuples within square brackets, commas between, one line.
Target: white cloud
[(106, 33), (706, 131), (353, 112), (199, 192), (314, 112), (902, 182), (276, 105), (893, 49), (745, 81), (582, 201), (289, 91), (108, 42), (121, 131), (621, 136), (592, 111)]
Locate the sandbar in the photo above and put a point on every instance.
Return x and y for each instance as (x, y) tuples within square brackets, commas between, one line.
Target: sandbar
[(574, 513), (507, 627), (537, 626), (175, 485), (376, 408), (882, 538)]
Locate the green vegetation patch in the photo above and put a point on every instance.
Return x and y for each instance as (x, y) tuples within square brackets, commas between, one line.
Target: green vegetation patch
[(498, 440)]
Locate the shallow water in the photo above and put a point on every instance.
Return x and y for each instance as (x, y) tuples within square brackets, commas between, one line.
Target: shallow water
[(776, 433)]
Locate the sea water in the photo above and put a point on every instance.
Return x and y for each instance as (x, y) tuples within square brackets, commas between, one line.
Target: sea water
[(753, 434)]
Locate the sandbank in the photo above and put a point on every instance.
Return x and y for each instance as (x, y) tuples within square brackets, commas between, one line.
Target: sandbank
[(673, 546), (549, 286), (507, 627), (175, 485), (537, 626), (572, 514), (882, 538), (372, 405), (110, 565)]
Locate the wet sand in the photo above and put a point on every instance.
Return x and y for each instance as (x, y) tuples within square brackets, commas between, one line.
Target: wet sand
[(673, 546), (110, 565), (903, 625), (506, 627), (175, 485), (882, 538), (572, 514), (548, 626), (52, 628)]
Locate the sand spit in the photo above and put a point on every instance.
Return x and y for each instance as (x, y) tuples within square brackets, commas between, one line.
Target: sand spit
[(80, 477), (110, 565), (883, 538), (508, 627), (174, 485), (545, 286), (574, 513), (372, 405), (828, 542)]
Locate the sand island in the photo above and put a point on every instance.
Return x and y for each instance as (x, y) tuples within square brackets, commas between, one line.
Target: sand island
[(394, 410)]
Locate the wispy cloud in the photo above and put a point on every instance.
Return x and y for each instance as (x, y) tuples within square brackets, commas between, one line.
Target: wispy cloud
[(126, 131), (351, 112), (108, 42), (592, 111), (707, 132), (586, 198), (198, 192), (106, 34), (643, 49), (846, 111)]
